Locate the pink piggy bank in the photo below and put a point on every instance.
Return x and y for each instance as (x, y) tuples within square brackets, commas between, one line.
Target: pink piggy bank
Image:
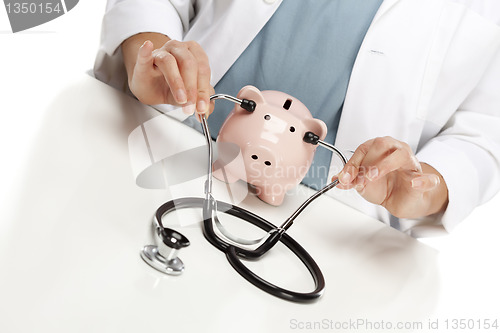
[(272, 154)]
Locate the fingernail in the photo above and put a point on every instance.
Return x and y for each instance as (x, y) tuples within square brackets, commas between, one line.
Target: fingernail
[(345, 178), (197, 115), (372, 174), (181, 96), (202, 107), (189, 109)]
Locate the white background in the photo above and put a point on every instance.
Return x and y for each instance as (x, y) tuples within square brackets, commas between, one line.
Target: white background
[(34, 65), (38, 63)]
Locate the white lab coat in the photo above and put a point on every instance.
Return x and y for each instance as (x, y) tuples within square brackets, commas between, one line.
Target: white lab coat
[(427, 73)]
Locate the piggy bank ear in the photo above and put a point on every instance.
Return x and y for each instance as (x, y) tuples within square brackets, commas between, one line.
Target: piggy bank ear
[(250, 93), (316, 126)]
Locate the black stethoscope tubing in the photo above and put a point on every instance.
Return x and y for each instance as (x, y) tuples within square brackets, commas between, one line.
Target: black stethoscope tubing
[(234, 254)]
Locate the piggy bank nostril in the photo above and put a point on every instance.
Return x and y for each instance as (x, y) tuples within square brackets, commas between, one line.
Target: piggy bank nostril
[(255, 157), (267, 163)]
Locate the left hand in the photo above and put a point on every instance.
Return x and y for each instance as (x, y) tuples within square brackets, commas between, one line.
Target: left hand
[(386, 172)]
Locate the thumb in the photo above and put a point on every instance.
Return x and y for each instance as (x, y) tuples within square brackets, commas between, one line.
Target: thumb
[(425, 182), (145, 58)]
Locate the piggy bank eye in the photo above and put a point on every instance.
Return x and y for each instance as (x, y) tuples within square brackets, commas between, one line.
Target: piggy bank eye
[(267, 117), (292, 129)]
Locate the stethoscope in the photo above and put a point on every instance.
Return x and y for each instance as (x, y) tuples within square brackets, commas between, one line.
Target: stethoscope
[(163, 256)]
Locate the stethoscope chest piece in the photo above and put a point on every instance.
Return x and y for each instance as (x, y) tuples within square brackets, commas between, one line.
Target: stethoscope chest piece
[(163, 257)]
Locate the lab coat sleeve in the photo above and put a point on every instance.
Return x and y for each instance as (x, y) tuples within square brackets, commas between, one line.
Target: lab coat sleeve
[(125, 18), (467, 153)]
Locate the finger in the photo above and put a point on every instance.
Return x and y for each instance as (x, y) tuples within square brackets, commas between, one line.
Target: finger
[(143, 68), (188, 68), (203, 80), (391, 158), (198, 116), (340, 185), (360, 183), (425, 182), (397, 160), (212, 103), (210, 108), (346, 176), (167, 65), (351, 169), (380, 148)]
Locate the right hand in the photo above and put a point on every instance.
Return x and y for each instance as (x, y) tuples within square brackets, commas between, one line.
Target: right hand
[(177, 73)]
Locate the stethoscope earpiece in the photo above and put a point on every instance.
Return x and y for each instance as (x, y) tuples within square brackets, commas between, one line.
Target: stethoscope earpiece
[(248, 105)]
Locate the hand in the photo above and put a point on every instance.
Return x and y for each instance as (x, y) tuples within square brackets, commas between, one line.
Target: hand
[(386, 172), (176, 73)]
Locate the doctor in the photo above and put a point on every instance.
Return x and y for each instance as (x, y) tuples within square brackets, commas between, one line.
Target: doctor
[(410, 85)]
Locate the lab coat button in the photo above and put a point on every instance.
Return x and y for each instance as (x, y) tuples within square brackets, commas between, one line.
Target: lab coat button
[(270, 1)]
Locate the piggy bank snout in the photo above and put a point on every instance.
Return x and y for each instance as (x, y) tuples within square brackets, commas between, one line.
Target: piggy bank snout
[(260, 156)]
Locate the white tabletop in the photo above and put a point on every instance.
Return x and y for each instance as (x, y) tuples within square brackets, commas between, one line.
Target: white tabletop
[(70, 257)]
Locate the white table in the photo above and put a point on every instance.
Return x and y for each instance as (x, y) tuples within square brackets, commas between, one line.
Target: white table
[(69, 261)]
